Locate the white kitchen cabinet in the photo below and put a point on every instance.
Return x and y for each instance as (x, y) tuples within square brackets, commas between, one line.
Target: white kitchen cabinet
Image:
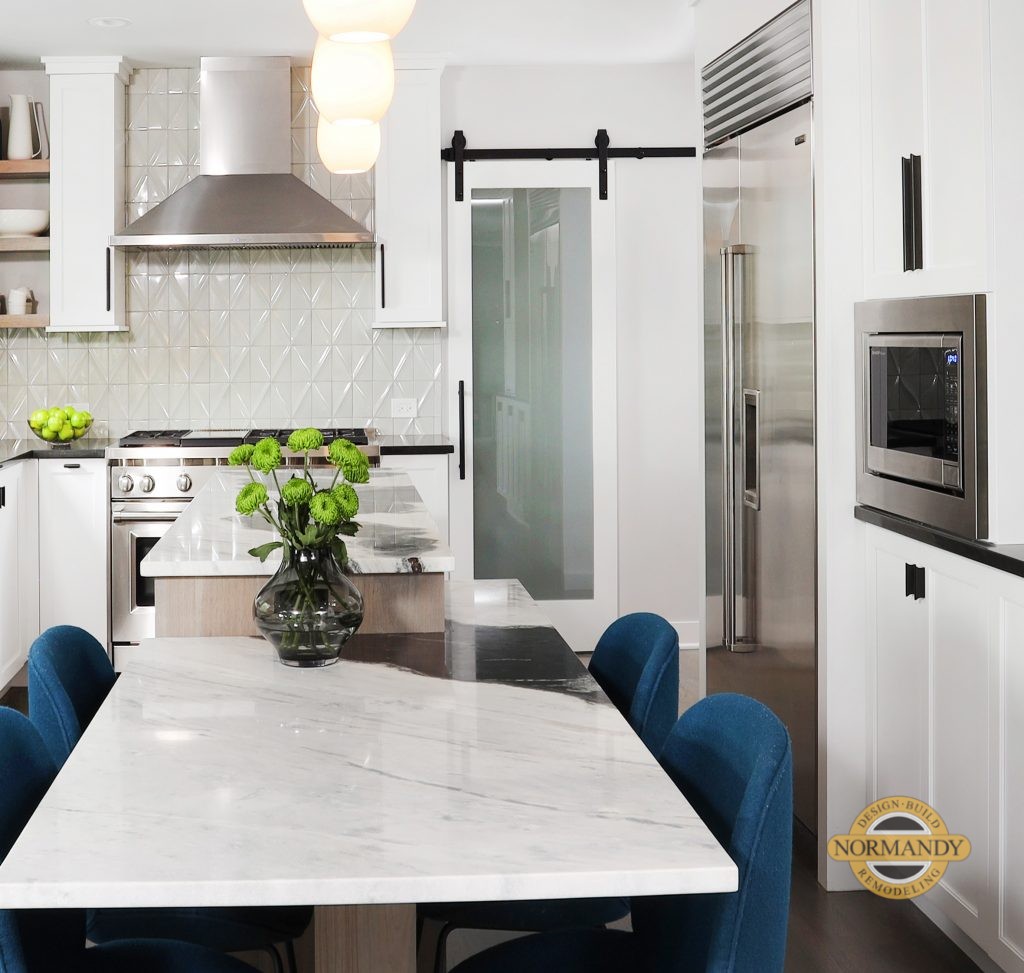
[(19, 605), (429, 475), (408, 205), (924, 71), (87, 192), (74, 545)]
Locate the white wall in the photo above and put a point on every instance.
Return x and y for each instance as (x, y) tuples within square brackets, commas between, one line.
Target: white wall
[(660, 389)]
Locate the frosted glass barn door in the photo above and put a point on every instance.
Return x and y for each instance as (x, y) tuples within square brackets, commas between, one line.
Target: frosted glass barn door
[(532, 340)]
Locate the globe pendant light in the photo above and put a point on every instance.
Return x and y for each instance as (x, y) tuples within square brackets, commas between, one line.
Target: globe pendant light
[(347, 149), (352, 84), (359, 21)]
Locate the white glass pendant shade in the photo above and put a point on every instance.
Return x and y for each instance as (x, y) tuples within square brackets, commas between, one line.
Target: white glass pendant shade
[(359, 21), (347, 149), (352, 83)]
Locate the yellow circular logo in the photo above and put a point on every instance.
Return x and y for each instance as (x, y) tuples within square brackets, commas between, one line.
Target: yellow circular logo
[(899, 847)]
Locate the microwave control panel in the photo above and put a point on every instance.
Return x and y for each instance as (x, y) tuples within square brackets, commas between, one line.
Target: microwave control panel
[(951, 357)]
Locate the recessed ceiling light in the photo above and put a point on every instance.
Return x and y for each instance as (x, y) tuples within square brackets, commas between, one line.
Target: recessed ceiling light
[(109, 22)]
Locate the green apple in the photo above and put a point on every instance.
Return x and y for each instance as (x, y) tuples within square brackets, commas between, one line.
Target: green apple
[(66, 433), (48, 434), (54, 423), (68, 411), (79, 433), (77, 420), (38, 419)]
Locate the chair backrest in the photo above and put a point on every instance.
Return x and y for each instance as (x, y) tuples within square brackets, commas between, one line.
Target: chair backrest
[(69, 676), (30, 940), (637, 664), (731, 758)]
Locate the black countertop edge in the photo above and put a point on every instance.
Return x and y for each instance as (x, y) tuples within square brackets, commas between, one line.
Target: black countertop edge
[(1002, 557), (435, 450)]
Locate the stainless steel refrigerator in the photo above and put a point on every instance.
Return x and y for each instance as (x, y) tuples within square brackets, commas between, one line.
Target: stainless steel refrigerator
[(760, 428)]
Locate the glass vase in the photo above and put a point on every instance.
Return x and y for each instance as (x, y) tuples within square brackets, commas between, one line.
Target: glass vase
[(309, 609)]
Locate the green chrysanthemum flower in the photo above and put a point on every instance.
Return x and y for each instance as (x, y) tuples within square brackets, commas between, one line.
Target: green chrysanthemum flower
[(250, 498), (324, 509), (297, 491), (347, 500), (352, 462), (266, 456), (305, 440), (241, 455)]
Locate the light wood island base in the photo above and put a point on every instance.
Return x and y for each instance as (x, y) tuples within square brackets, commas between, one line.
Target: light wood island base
[(218, 606)]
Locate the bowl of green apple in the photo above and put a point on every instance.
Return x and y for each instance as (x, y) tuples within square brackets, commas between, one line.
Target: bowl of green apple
[(60, 426)]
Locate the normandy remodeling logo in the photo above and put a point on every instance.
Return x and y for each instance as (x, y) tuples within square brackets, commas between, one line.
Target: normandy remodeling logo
[(899, 848)]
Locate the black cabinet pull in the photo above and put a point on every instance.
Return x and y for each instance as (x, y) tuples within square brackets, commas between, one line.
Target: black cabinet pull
[(72, 466), (913, 214), (383, 279), (915, 582), (462, 430), (3, 497), (110, 285)]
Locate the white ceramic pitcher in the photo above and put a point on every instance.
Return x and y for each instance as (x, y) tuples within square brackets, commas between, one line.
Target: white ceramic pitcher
[(19, 136)]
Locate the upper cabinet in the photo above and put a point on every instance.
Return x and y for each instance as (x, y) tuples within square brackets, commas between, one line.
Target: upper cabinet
[(87, 135), (408, 207), (926, 147)]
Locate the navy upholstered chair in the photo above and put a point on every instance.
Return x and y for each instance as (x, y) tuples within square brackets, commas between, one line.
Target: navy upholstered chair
[(69, 676), (36, 941), (636, 663), (731, 757)]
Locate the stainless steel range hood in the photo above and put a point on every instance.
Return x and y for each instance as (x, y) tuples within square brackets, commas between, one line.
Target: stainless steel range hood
[(245, 194)]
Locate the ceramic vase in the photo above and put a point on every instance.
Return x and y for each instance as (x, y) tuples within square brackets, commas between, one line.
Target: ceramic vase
[(19, 135), (309, 609)]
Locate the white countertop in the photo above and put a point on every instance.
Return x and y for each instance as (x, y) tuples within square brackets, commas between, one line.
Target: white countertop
[(483, 763), (398, 535)]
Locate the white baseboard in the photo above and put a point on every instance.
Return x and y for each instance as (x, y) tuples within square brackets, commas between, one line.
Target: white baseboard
[(952, 931), (689, 635)]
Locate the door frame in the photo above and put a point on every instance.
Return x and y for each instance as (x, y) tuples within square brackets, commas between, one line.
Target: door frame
[(580, 623)]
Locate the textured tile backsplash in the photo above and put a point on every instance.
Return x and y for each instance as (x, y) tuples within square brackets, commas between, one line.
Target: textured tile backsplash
[(229, 338)]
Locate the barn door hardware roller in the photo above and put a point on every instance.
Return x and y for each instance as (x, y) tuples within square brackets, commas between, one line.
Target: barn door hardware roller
[(601, 150)]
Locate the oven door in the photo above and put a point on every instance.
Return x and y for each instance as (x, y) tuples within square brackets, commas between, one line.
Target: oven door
[(135, 528), (914, 405)]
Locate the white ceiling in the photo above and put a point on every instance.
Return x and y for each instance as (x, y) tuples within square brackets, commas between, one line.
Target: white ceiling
[(177, 32)]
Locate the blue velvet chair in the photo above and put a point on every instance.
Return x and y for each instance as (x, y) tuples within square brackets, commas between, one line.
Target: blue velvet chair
[(636, 663), (731, 757), (69, 676), (38, 941)]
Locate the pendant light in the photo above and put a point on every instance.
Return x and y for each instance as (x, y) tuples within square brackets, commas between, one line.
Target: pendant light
[(347, 149), (359, 21), (352, 84)]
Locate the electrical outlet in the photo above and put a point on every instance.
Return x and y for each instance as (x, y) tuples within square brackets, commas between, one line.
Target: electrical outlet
[(403, 408)]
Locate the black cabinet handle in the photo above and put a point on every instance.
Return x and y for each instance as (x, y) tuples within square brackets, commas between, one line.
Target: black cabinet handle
[(915, 582), (383, 279), (3, 497), (110, 285), (462, 430), (72, 466), (913, 214)]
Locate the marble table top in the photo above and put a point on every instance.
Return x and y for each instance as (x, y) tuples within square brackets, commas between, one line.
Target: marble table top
[(398, 535), (482, 763)]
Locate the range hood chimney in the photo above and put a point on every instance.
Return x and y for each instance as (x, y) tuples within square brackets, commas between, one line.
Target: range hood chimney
[(245, 194)]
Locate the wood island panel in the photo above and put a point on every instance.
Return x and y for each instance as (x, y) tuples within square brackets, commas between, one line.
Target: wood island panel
[(222, 606)]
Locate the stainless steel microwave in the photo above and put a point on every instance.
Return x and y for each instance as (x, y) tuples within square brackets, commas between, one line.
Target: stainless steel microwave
[(921, 411)]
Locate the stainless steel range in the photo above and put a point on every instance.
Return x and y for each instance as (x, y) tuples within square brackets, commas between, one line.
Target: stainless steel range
[(154, 474)]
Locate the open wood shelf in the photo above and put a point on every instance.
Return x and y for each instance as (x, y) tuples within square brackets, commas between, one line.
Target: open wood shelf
[(24, 321), (24, 244), (16, 168)]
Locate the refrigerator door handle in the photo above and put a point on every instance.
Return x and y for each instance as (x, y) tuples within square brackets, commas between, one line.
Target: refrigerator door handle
[(733, 300), (752, 448)]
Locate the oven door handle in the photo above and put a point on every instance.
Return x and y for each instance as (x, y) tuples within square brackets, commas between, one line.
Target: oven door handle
[(139, 518)]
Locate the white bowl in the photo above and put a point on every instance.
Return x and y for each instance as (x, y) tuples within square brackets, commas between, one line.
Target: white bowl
[(23, 222)]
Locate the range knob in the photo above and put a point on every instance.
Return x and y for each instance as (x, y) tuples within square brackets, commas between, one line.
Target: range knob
[(125, 483), (184, 483), (146, 484)]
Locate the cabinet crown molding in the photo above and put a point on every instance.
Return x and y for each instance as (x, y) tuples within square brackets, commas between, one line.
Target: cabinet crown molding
[(102, 64)]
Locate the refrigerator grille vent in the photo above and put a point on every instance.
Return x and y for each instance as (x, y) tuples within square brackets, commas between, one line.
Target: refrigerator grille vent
[(760, 77)]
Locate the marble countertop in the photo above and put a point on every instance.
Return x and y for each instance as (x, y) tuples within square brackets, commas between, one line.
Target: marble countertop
[(12, 450), (479, 764), (398, 535)]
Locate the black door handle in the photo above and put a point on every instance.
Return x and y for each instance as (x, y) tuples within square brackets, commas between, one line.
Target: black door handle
[(913, 214), (110, 283), (915, 582), (3, 497), (462, 430), (383, 279)]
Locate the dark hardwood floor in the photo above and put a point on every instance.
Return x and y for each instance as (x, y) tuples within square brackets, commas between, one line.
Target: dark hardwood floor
[(848, 932)]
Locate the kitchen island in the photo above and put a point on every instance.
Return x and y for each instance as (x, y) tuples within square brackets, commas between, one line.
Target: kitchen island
[(206, 580)]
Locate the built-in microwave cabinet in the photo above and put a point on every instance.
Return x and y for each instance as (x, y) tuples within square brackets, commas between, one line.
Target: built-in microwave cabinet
[(408, 205), (926, 146), (87, 192)]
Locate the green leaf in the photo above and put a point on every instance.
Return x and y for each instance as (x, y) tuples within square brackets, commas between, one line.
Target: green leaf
[(265, 550), (350, 528), (339, 550)]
